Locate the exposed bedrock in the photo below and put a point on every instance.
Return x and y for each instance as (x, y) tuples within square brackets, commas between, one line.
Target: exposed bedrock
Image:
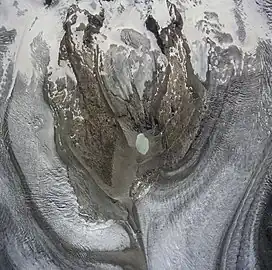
[(126, 91)]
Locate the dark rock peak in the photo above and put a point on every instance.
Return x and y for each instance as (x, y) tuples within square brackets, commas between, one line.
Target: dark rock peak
[(173, 29), (153, 26), (48, 2)]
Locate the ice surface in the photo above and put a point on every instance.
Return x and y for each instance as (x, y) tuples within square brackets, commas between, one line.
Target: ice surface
[(182, 222), (142, 144), (39, 33), (226, 10)]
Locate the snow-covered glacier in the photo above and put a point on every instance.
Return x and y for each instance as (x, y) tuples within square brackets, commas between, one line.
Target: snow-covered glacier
[(135, 134)]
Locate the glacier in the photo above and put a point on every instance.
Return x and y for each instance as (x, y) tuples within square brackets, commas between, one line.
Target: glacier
[(135, 134)]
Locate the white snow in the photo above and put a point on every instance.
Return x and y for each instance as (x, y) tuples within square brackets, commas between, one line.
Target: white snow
[(160, 13), (115, 21), (37, 20), (90, 5), (62, 71), (61, 207), (122, 14), (193, 13)]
